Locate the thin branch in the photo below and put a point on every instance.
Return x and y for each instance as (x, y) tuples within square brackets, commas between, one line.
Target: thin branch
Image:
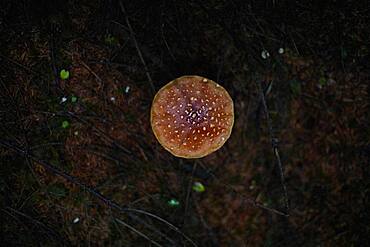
[(189, 192), (49, 230), (92, 72), (94, 192), (248, 199), (163, 221), (137, 47), (100, 132), (137, 232), (274, 144), (20, 65)]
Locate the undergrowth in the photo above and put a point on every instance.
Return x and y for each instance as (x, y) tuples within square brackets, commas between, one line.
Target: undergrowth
[(79, 162)]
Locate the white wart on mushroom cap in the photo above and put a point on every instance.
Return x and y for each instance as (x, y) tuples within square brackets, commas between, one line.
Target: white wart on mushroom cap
[(192, 116)]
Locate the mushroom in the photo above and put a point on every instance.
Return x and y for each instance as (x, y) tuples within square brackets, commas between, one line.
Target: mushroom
[(192, 116)]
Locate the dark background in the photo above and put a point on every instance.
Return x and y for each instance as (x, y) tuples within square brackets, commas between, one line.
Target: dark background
[(89, 171)]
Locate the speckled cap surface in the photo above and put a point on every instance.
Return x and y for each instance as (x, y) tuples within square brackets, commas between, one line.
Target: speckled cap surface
[(192, 116)]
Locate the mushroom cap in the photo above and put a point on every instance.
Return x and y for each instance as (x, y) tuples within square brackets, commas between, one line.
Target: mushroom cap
[(192, 116)]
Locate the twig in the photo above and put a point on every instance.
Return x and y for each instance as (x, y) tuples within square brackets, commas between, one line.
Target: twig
[(163, 36), (189, 192), (137, 232), (163, 221), (247, 199), (274, 144), (20, 65), (206, 226), (52, 57), (36, 222), (137, 47), (92, 72), (100, 132), (94, 192)]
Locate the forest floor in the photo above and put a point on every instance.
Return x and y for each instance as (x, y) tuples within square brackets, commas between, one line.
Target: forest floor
[(80, 165)]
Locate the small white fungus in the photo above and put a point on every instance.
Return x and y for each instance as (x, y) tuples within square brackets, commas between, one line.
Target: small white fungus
[(265, 54)]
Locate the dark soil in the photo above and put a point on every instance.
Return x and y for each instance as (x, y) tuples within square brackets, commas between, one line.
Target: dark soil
[(80, 165)]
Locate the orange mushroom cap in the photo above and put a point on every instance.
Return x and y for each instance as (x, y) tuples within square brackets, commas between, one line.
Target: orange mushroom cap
[(192, 116)]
